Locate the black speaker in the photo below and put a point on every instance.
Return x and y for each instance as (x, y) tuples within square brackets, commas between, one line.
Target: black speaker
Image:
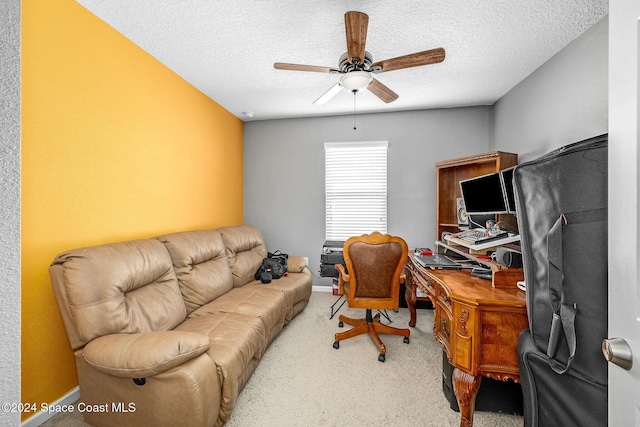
[(509, 257)]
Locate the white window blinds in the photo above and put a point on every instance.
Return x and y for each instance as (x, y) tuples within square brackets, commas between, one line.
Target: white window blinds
[(355, 189)]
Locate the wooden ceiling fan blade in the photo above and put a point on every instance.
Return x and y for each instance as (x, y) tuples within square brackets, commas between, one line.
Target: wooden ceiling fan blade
[(417, 59), (382, 91), (325, 97), (299, 67), (355, 24)]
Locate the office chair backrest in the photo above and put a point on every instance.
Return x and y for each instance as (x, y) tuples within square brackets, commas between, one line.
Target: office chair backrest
[(375, 263)]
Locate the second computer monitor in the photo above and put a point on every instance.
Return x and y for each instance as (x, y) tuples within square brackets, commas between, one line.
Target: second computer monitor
[(484, 195)]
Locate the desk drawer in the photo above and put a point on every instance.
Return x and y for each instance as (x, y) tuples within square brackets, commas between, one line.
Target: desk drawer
[(426, 286), (442, 297), (442, 326)]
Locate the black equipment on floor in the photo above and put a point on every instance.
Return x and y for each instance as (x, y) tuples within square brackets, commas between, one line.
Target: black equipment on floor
[(562, 217), (419, 304), (331, 255), (493, 396)]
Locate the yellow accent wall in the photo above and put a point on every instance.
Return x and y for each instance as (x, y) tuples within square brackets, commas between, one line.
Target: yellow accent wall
[(115, 146)]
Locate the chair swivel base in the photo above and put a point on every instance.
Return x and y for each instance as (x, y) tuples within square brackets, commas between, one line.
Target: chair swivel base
[(372, 326)]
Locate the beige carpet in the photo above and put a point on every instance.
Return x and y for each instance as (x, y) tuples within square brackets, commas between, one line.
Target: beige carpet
[(303, 381)]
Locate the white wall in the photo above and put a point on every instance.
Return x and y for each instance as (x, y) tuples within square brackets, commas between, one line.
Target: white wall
[(624, 236), (10, 207), (563, 101), (284, 171)]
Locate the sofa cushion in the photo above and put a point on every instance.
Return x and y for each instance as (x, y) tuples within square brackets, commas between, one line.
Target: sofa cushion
[(296, 288), (126, 287), (245, 250), (236, 344), (268, 305), (144, 355), (201, 265)]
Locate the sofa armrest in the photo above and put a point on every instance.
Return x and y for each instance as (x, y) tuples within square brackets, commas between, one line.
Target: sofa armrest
[(145, 354), (295, 264)]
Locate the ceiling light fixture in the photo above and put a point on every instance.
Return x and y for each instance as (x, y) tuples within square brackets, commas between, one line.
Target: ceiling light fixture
[(355, 81)]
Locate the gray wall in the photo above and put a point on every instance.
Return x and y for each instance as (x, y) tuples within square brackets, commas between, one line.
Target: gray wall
[(284, 171), (10, 207), (563, 101)]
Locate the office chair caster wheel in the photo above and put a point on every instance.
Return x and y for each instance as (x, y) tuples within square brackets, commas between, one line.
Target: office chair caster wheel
[(406, 340), (336, 345), (381, 358), (340, 324)]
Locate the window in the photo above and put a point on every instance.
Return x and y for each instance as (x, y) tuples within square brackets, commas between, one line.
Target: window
[(355, 188)]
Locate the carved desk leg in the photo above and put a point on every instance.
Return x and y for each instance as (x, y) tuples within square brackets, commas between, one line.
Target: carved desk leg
[(466, 386), (410, 296)]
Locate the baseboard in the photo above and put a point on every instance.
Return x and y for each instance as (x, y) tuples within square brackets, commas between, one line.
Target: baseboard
[(42, 417), (321, 288)]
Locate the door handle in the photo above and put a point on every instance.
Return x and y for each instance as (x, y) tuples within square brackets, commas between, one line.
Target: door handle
[(616, 350)]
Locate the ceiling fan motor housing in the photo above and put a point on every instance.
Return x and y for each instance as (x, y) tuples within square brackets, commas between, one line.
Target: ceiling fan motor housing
[(346, 66)]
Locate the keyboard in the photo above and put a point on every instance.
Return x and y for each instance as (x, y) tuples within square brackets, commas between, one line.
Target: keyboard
[(485, 241), (477, 237)]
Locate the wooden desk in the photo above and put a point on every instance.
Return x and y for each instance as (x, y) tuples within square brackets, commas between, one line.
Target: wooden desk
[(476, 323)]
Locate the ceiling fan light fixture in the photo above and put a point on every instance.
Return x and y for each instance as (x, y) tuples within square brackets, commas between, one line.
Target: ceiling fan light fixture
[(356, 80)]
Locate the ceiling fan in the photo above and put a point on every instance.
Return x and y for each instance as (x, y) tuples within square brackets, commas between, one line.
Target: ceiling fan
[(357, 66)]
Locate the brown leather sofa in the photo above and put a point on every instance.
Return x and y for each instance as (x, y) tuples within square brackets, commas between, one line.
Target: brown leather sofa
[(167, 331)]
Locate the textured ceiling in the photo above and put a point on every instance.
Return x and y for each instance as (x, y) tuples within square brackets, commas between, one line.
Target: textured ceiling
[(227, 48)]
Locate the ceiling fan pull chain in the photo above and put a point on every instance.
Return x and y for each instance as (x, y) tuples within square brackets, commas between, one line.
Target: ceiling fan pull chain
[(354, 109)]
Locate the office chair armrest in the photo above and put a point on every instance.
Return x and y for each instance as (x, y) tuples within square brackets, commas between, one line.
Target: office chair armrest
[(342, 278), (343, 273)]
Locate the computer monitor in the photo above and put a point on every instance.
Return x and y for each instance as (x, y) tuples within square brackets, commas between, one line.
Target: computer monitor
[(484, 195), (507, 181)]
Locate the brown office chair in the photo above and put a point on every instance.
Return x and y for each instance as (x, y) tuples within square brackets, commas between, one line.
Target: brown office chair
[(374, 264)]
